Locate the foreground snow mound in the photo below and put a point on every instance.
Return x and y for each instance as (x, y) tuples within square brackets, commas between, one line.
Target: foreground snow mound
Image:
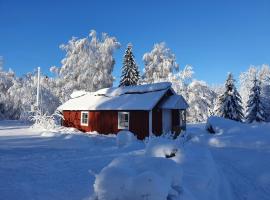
[(124, 138), (220, 125), (139, 178), (165, 148)]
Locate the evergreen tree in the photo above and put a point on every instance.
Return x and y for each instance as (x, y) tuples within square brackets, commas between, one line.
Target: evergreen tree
[(255, 107), (229, 103), (130, 72)]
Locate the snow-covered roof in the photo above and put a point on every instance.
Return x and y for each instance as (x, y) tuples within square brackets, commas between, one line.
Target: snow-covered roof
[(174, 102), (116, 91), (141, 97)]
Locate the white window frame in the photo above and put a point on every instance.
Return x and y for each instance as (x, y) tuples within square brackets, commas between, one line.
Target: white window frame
[(119, 117), (84, 112)]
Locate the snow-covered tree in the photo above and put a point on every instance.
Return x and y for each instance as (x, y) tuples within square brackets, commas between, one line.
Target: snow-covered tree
[(159, 64), (246, 83), (88, 64), (264, 78), (255, 106), (198, 94), (22, 95), (230, 103), (201, 101), (130, 72), (181, 80), (6, 81)]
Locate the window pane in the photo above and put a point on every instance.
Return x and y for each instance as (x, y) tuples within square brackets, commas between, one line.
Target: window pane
[(84, 118), (123, 120), (126, 117)]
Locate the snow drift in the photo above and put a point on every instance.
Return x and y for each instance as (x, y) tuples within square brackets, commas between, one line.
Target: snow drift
[(138, 178)]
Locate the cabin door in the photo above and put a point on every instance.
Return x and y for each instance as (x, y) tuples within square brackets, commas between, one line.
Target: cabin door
[(166, 120)]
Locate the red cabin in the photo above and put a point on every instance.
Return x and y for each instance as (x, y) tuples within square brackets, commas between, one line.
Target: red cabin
[(143, 109)]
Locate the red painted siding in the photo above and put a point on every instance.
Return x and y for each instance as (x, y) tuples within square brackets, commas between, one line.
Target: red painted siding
[(139, 123), (157, 121), (175, 118), (106, 122)]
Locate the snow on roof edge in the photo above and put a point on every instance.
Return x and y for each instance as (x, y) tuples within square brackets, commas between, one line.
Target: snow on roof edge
[(143, 97), (117, 91)]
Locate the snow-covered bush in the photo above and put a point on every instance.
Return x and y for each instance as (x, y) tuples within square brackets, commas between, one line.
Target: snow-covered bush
[(124, 138), (139, 178), (165, 148), (43, 121)]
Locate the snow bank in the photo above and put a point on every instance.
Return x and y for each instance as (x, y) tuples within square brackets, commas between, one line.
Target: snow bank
[(219, 125), (124, 138), (138, 178), (231, 133)]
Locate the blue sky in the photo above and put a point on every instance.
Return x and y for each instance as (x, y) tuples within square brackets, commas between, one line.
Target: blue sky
[(214, 36)]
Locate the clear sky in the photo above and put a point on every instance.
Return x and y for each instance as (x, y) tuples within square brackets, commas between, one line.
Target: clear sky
[(215, 37)]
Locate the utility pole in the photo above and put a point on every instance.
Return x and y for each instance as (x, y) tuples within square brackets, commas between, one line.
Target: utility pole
[(38, 88)]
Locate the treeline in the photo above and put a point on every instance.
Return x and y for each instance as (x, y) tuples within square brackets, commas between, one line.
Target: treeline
[(89, 63)]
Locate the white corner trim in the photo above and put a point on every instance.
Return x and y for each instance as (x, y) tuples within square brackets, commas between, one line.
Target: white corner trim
[(150, 123)]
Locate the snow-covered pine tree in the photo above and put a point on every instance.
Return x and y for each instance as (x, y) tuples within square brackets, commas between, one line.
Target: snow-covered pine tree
[(130, 72), (264, 78), (255, 106), (230, 103)]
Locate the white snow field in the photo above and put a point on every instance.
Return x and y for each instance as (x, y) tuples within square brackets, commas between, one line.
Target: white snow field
[(63, 164)]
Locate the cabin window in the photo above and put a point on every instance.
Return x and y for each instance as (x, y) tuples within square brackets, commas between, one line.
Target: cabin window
[(123, 120), (84, 118)]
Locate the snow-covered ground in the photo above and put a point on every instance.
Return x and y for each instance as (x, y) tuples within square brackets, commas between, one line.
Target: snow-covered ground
[(232, 164)]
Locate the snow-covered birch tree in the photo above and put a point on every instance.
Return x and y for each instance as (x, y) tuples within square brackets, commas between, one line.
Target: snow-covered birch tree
[(23, 93), (88, 64), (159, 64), (201, 101)]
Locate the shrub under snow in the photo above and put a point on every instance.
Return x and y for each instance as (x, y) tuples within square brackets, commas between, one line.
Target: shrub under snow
[(43, 121), (124, 138), (165, 148), (139, 178)]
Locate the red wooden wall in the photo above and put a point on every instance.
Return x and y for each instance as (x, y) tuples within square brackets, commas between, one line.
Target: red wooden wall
[(106, 122), (175, 118), (157, 121)]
